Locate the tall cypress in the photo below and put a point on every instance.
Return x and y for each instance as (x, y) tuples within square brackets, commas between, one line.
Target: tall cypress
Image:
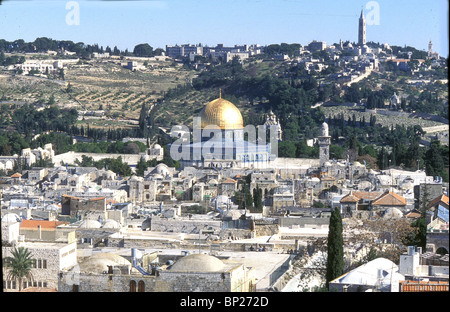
[(335, 258)]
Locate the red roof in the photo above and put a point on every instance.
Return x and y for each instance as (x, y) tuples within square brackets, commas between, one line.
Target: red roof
[(349, 198), (33, 224), (440, 199), (356, 196), (390, 199)]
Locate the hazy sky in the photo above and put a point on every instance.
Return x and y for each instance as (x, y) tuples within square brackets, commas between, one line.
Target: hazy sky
[(168, 22)]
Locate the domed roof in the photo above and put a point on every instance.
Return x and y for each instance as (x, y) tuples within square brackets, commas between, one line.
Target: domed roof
[(223, 114), (111, 224), (90, 224), (162, 169), (198, 263), (11, 218), (367, 274), (98, 263), (392, 213)]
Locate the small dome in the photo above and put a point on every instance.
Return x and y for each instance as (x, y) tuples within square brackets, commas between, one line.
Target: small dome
[(111, 224), (392, 213), (11, 218), (162, 169), (213, 181), (231, 214), (99, 263), (52, 207), (157, 146), (198, 263), (90, 224)]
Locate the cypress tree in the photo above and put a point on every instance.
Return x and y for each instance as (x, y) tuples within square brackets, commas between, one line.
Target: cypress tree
[(335, 258)]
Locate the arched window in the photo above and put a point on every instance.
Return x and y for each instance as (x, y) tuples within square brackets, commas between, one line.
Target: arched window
[(132, 286), (141, 286)]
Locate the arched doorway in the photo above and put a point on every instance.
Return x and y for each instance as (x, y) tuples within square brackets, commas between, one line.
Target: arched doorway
[(132, 286), (442, 251), (141, 286)]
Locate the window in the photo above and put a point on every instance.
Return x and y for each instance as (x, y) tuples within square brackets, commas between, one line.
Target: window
[(44, 264)]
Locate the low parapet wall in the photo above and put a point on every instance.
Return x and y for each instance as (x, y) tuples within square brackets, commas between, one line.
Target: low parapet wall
[(71, 157)]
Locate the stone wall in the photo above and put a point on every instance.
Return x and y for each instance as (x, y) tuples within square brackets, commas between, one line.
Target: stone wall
[(165, 281), (56, 256), (182, 225), (439, 238), (187, 282), (293, 221)]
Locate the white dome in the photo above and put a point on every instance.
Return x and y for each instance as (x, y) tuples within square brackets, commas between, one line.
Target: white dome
[(136, 178), (392, 213), (11, 218), (367, 274), (162, 169), (157, 146), (111, 224), (198, 263), (52, 207), (90, 224), (99, 263)]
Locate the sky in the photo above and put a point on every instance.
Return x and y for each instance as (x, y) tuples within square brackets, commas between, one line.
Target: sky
[(168, 22)]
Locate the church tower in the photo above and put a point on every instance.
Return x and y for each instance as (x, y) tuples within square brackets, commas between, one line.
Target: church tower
[(362, 30), (324, 145)]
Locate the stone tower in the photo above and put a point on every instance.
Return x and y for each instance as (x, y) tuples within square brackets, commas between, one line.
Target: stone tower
[(324, 145), (362, 30)]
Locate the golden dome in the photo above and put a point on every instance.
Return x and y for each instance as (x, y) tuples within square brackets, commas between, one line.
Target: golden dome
[(222, 113)]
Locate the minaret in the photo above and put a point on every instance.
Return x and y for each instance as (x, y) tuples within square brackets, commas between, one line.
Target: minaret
[(324, 145), (430, 49), (362, 30)]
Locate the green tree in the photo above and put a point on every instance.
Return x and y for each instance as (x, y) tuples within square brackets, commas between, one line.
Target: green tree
[(19, 266), (143, 49), (335, 258), (141, 166), (257, 199), (419, 236)]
